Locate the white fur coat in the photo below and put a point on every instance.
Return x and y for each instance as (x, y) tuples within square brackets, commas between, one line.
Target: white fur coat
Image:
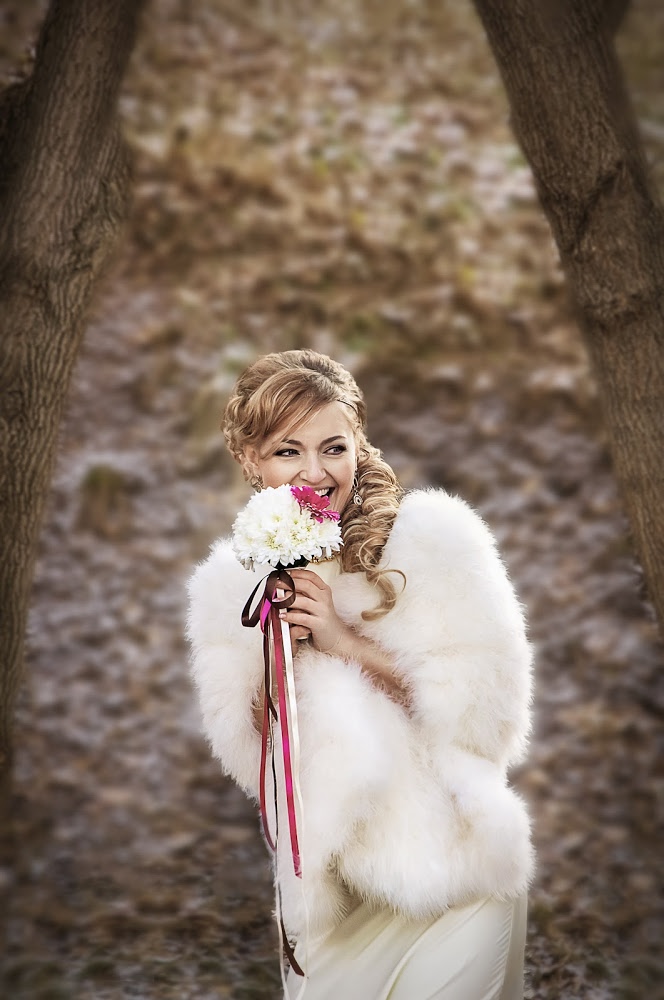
[(409, 811)]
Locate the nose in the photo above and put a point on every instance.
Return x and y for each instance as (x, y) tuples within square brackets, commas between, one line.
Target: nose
[(312, 470)]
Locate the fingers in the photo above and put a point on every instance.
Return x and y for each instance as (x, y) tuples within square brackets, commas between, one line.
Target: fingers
[(300, 638), (306, 576), (299, 634), (304, 603), (299, 618), (313, 608), (303, 588)]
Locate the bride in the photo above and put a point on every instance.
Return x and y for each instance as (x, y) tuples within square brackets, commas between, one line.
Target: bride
[(412, 674)]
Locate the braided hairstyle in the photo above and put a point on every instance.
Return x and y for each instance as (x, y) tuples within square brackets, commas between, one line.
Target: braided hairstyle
[(283, 389)]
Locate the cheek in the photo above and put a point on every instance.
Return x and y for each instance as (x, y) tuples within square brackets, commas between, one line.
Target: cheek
[(346, 478), (273, 473)]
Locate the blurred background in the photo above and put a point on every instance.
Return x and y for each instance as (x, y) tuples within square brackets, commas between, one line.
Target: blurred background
[(338, 175)]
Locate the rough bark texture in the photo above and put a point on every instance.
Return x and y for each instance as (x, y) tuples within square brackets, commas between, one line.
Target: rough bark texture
[(63, 194), (572, 116)]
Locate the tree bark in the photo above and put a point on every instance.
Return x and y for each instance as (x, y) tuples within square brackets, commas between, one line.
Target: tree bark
[(64, 183), (572, 117)]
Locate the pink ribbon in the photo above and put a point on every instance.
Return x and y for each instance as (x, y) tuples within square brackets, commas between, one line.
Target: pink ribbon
[(279, 593)]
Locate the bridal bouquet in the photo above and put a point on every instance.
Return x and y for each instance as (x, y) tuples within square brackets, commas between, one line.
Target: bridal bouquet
[(283, 527)]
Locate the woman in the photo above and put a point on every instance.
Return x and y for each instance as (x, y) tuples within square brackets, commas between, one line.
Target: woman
[(413, 685)]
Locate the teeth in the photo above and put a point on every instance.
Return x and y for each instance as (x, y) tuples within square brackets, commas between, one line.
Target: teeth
[(325, 492)]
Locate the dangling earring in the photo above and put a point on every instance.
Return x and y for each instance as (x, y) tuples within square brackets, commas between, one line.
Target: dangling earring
[(256, 482), (357, 499)]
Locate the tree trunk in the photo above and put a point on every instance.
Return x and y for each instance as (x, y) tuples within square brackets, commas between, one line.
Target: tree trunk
[(571, 114), (64, 184)]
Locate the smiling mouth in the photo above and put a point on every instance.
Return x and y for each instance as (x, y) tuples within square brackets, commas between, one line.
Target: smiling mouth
[(327, 492)]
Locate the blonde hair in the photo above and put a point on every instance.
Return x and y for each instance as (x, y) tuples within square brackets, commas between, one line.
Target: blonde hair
[(281, 390)]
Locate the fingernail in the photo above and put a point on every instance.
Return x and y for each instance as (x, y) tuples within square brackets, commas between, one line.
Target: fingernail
[(282, 613)]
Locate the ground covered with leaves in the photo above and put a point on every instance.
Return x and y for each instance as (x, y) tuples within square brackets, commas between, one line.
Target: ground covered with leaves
[(341, 176)]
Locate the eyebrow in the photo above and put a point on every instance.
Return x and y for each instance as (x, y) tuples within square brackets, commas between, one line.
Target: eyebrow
[(335, 437)]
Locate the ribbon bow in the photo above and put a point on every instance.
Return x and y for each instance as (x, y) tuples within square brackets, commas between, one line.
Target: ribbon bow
[(269, 597)]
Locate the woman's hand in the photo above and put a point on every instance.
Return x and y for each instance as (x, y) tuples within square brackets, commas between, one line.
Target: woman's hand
[(299, 637), (313, 612)]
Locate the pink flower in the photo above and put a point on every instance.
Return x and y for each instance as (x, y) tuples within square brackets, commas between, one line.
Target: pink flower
[(317, 506)]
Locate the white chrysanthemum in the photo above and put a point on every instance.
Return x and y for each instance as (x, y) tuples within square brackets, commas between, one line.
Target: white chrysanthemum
[(273, 529)]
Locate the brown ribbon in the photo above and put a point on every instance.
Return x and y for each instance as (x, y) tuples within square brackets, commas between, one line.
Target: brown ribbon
[(267, 613), (277, 579)]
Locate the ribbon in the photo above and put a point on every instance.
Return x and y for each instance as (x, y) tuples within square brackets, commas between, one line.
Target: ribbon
[(279, 592)]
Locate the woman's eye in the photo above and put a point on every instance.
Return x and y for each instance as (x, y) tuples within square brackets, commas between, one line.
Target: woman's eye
[(336, 449), (286, 452)]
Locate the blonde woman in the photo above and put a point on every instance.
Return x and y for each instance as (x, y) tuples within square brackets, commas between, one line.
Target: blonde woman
[(413, 685)]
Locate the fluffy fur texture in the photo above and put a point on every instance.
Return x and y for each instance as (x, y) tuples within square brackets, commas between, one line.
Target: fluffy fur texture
[(412, 811)]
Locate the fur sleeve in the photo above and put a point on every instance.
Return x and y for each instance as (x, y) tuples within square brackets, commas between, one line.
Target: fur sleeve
[(458, 631), (226, 663)]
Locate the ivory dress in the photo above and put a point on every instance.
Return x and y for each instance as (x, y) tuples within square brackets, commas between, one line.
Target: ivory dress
[(415, 851), (472, 952)]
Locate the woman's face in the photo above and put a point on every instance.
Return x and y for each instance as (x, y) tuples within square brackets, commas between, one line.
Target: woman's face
[(320, 452)]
